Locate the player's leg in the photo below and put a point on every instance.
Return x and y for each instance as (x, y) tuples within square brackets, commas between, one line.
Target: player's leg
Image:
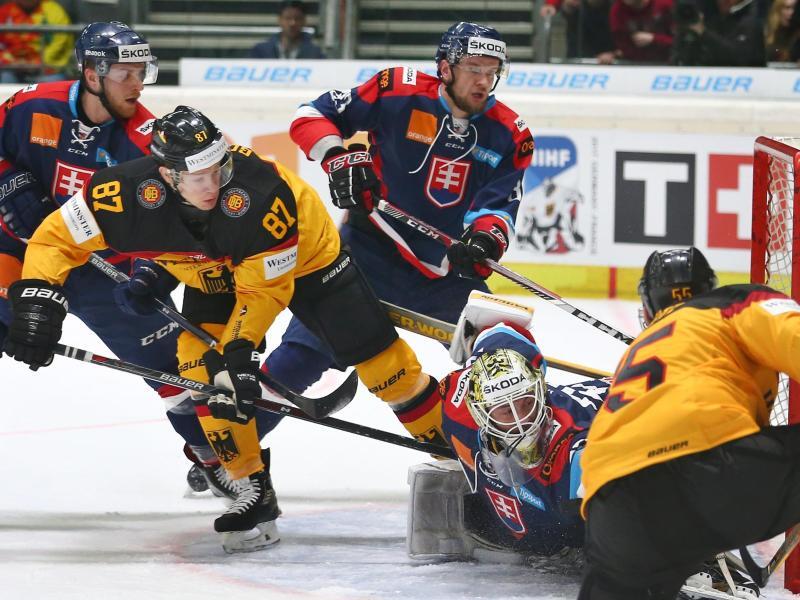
[(249, 523), (395, 280), (11, 253), (150, 341), (624, 562), (342, 310)]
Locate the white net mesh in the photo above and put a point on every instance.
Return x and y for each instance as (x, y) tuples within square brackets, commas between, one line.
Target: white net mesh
[(778, 258)]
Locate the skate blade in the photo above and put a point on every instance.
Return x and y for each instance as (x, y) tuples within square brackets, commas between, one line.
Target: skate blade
[(195, 495), (261, 536), (703, 593)]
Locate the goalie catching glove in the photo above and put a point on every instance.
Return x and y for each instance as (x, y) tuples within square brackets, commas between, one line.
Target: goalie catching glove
[(236, 370), (481, 312), (38, 310), (351, 178), (487, 237)]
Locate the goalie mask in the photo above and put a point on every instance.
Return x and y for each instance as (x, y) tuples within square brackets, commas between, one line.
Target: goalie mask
[(670, 277), (507, 400), (186, 141), (470, 39)]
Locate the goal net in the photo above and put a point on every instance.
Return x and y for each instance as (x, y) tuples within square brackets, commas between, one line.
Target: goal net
[(774, 253)]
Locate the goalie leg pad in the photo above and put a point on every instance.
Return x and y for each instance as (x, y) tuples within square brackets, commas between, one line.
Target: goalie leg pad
[(436, 530)]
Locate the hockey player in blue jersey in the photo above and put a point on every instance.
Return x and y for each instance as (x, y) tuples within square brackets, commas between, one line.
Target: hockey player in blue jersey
[(513, 494), (514, 489), (53, 137), (444, 149)]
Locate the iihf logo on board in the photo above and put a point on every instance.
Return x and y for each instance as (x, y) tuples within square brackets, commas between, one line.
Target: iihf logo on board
[(547, 221)]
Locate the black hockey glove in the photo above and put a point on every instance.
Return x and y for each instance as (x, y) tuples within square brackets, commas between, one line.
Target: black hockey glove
[(351, 179), (236, 370), (487, 237), (23, 203), (38, 309), (148, 284)]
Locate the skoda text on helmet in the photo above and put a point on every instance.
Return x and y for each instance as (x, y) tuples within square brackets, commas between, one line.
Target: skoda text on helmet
[(104, 44), (507, 400), (470, 39), (186, 141), (673, 276)]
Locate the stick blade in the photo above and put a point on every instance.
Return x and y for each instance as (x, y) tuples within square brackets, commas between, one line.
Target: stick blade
[(316, 408)]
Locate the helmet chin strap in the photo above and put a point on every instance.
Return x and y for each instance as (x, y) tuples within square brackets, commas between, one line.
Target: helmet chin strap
[(101, 95)]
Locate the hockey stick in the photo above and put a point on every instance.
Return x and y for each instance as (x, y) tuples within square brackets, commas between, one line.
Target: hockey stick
[(317, 408), (762, 574), (443, 332), (268, 405), (543, 293)]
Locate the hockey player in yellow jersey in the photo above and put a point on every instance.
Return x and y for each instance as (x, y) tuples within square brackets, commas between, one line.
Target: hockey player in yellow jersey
[(681, 462), (248, 238)]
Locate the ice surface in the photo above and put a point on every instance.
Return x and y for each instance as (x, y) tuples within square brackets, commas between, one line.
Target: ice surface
[(92, 505)]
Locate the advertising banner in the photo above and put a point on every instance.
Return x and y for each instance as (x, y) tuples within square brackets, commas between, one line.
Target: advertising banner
[(704, 82)]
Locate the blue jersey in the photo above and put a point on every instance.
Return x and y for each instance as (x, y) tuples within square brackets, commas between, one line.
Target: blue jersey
[(542, 515), (41, 132), (444, 171)]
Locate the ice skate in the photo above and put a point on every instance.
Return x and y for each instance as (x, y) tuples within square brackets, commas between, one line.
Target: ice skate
[(714, 581), (202, 477), (249, 523)]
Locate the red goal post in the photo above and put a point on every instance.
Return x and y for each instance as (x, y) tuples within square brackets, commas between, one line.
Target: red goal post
[(776, 227)]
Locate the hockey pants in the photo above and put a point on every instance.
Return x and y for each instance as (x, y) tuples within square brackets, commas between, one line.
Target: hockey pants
[(648, 531)]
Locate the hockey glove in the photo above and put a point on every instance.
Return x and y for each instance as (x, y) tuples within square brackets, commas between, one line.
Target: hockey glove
[(487, 237), (38, 309), (23, 203), (235, 370), (351, 179), (140, 294)]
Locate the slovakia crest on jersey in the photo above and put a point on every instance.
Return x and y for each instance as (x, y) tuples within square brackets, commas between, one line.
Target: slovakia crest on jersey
[(447, 181), (507, 508), (68, 180)]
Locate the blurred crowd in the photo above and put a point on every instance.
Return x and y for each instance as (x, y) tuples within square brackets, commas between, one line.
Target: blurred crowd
[(734, 33), (679, 32)]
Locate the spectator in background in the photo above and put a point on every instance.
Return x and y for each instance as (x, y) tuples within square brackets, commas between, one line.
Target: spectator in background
[(718, 33), (292, 41), (642, 29), (35, 57), (588, 30), (780, 37)]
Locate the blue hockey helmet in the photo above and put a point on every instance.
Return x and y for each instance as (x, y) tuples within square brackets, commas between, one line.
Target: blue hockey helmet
[(106, 43), (470, 39), (673, 276)]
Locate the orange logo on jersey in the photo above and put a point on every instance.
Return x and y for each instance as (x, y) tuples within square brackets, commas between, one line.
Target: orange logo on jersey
[(151, 193), (235, 202), (421, 127), (45, 130)]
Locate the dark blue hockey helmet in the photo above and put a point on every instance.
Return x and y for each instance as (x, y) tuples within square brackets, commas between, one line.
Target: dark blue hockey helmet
[(673, 276), (470, 39), (105, 43)]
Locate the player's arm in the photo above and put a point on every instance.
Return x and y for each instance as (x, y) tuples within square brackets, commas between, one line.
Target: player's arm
[(38, 305), (769, 330), (64, 240), (338, 114), (489, 222)]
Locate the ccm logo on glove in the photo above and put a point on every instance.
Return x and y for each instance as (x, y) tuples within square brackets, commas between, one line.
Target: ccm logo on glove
[(353, 159)]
